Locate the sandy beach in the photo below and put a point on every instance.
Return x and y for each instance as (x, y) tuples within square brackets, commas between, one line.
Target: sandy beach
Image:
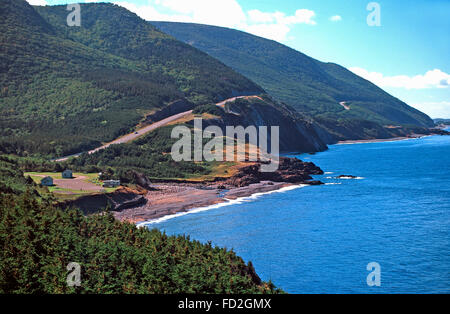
[(171, 199)]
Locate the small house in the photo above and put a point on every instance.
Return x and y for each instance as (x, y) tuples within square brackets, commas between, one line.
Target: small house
[(47, 181), (67, 174), (111, 183)]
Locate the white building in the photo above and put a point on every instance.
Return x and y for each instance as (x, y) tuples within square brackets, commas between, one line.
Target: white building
[(111, 183)]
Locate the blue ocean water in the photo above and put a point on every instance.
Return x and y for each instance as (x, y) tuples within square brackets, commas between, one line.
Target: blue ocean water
[(319, 239)]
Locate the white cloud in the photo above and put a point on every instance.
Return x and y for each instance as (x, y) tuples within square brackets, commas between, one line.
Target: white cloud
[(37, 2), (276, 25), (336, 18), (262, 17), (212, 12), (226, 13), (302, 16), (431, 79)]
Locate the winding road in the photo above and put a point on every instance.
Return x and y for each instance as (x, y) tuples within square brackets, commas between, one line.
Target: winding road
[(151, 127), (344, 104)]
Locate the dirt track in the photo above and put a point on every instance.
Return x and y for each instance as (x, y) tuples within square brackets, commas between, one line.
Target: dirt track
[(223, 103), (132, 136), (343, 104)]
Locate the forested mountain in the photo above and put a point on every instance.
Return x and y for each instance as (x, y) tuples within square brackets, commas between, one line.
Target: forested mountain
[(312, 87), (64, 90), (150, 154), (67, 89)]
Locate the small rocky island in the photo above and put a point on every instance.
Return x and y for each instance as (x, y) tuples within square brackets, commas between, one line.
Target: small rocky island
[(290, 170)]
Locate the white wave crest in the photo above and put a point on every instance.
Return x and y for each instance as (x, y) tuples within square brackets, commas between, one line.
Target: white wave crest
[(227, 202)]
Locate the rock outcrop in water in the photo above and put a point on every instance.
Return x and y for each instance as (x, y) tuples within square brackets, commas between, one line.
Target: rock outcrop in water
[(290, 170), (346, 176), (438, 131)]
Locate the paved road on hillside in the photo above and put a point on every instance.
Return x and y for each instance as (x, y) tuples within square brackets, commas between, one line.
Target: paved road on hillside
[(344, 104), (132, 136), (223, 103)]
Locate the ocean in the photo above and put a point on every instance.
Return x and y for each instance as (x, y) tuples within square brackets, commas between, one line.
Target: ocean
[(320, 239)]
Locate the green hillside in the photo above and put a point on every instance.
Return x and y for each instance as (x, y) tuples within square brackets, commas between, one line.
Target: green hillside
[(68, 89), (310, 86)]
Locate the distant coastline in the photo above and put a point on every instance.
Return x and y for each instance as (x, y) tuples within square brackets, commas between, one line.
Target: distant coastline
[(439, 130), (443, 126), (172, 200), (382, 140)]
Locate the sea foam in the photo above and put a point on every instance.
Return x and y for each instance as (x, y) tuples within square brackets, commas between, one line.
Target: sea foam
[(227, 202)]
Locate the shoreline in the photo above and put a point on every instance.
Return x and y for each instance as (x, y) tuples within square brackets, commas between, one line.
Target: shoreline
[(168, 200), (226, 202), (439, 130), (175, 200), (383, 140)]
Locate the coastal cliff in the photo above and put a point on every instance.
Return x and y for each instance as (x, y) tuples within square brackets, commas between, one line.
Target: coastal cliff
[(297, 134)]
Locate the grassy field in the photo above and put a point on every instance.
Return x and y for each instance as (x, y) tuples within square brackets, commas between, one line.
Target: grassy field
[(218, 170), (70, 193), (37, 176)]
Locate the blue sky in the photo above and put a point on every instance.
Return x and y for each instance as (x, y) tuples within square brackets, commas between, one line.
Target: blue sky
[(408, 55)]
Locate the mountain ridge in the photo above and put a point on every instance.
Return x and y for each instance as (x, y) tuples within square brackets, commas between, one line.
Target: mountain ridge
[(312, 87), (68, 89)]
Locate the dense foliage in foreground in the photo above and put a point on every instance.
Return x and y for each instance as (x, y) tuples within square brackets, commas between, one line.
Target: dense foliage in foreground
[(12, 180), (39, 240)]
